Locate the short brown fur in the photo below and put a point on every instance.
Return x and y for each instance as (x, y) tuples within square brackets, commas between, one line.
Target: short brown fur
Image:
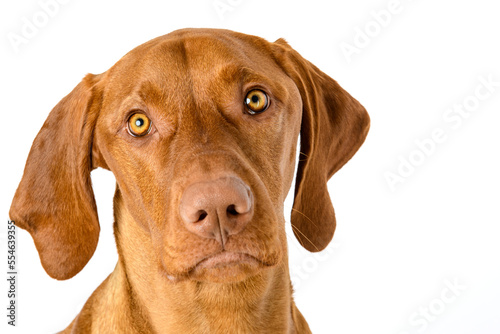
[(191, 84)]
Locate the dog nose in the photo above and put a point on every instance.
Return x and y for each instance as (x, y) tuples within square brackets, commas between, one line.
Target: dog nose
[(217, 209)]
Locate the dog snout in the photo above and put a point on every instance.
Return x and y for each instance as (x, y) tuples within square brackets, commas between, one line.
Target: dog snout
[(217, 209)]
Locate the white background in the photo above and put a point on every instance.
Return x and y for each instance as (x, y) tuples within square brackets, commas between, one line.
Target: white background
[(395, 251)]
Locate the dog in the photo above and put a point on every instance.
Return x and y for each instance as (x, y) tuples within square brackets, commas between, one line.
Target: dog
[(200, 129)]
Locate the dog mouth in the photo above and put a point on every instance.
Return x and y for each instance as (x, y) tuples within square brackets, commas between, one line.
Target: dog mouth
[(226, 258), (223, 267)]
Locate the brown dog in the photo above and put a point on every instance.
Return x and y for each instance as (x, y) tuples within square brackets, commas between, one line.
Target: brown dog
[(199, 128)]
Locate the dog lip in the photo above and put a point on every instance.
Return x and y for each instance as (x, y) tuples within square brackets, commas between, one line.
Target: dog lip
[(219, 260), (225, 258)]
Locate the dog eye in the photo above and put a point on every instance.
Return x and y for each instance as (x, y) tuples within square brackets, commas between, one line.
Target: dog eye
[(256, 101), (139, 125)]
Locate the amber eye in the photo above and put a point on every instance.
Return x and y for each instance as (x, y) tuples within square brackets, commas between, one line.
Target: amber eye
[(256, 101), (139, 125)]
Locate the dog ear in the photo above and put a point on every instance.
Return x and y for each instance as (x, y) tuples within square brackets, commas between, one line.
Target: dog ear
[(334, 125), (54, 201)]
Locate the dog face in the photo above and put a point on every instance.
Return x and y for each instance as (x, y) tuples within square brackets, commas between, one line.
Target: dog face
[(191, 92), (187, 122)]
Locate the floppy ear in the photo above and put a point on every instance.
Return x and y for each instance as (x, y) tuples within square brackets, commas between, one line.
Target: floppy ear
[(334, 125), (54, 201)]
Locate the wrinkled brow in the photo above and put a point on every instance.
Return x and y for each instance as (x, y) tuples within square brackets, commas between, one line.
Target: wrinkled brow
[(231, 73)]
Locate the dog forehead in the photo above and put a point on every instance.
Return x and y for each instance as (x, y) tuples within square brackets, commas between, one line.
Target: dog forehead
[(190, 65), (195, 55), (204, 46)]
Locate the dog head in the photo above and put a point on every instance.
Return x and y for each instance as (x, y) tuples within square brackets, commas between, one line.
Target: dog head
[(199, 128)]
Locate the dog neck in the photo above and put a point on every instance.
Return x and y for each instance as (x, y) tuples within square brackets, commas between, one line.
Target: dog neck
[(157, 304)]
